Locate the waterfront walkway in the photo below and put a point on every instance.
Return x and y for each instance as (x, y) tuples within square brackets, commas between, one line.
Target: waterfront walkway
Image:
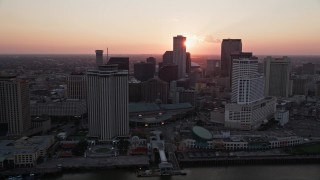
[(53, 166), (107, 162)]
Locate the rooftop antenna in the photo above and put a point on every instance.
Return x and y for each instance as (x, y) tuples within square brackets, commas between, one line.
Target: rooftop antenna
[(107, 55)]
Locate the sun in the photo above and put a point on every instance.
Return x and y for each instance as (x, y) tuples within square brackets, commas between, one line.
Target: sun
[(188, 43)]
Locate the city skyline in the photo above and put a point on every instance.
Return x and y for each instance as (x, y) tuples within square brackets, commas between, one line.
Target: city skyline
[(288, 27)]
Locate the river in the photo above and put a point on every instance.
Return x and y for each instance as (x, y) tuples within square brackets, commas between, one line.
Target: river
[(257, 172)]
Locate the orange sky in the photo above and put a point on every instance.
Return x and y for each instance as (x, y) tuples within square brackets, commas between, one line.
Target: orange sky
[(283, 27)]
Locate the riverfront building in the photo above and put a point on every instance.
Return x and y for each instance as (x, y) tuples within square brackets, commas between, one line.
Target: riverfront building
[(248, 108), (108, 115), (24, 152)]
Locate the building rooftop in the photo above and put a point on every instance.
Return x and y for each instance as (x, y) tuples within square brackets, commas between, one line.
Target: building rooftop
[(147, 107), (143, 107), (202, 133), (176, 106)]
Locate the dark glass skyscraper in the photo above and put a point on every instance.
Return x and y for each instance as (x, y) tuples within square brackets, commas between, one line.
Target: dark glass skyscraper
[(228, 47), (144, 71), (122, 62)]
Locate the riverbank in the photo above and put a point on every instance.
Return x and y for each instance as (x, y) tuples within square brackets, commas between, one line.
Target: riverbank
[(265, 160), (56, 166), (82, 164)]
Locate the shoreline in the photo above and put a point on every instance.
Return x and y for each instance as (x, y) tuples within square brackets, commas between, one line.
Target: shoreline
[(184, 163)]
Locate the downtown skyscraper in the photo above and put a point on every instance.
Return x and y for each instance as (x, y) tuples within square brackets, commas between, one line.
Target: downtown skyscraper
[(277, 73), (228, 47), (99, 57), (108, 114), (180, 55), (247, 84), (14, 105), (248, 108)]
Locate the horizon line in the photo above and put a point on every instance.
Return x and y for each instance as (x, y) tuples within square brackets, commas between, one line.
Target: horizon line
[(15, 54)]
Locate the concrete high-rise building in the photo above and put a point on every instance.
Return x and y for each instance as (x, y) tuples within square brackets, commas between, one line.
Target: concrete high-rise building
[(14, 105), (167, 58), (228, 47), (122, 62), (239, 55), (300, 85), (185, 96), (250, 116), (248, 108), (151, 60), (247, 84), (76, 86), (144, 71), (188, 63), (277, 74), (134, 90), (154, 90), (168, 73), (108, 114), (99, 57), (179, 55)]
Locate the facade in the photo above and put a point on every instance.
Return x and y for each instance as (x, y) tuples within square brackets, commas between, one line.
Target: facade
[(300, 85), (76, 86), (239, 55), (201, 136), (168, 73), (108, 114), (277, 73), (309, 68), (167, 58), (71, 108), (134, 90), (144, 71), (154, 90), (213, 67), (280, 142), (282, 116), (228, 47), (99, 57), (42, 124), (247, 84), (24, 152), (14, 106), (181, 95), (255, 142), (122, 62), (249, 116), (186, 96), (179, 55), (188, 62)]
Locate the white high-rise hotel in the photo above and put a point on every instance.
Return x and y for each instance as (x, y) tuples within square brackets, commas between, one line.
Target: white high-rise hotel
[(247, 84), (179, 55), (108, 113), (248, 108)]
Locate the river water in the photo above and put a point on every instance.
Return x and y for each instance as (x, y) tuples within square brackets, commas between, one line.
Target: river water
[(258, 172)]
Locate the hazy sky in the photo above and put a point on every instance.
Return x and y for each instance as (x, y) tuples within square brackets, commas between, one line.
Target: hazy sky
[(283, 27)]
